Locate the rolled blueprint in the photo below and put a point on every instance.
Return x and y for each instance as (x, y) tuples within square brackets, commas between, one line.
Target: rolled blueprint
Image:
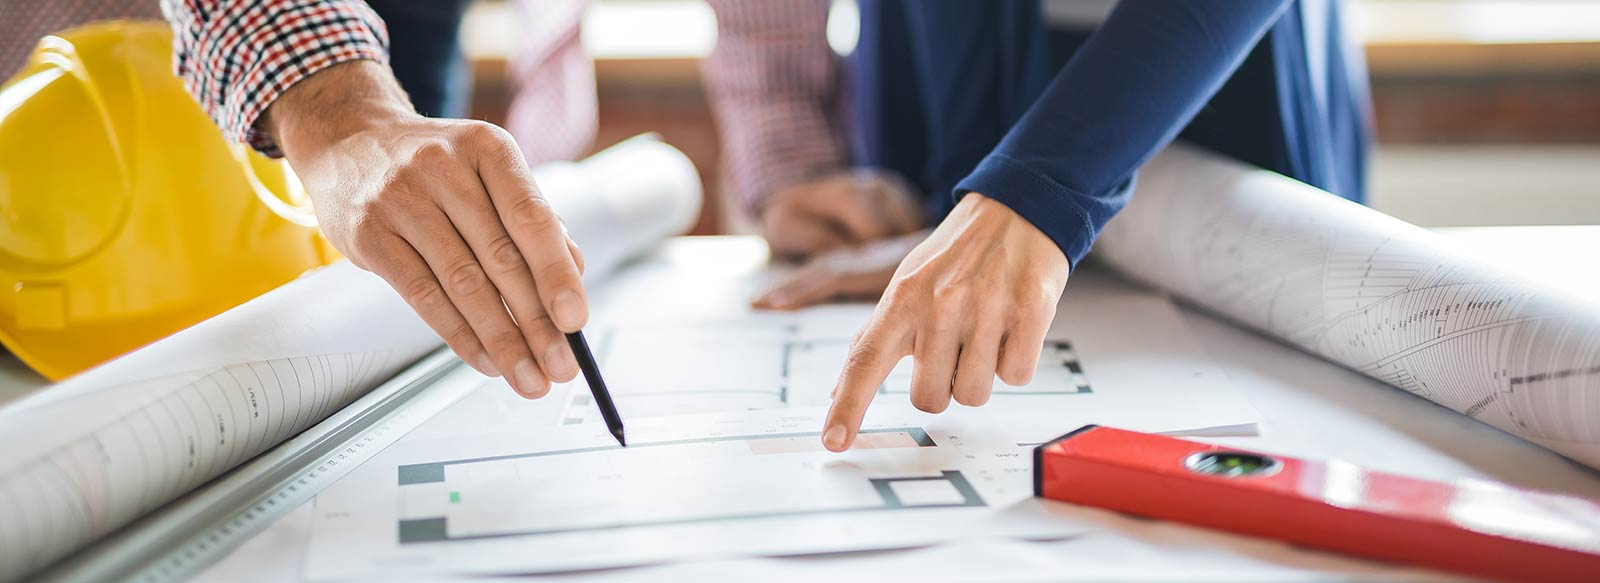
[(1367, 291), (622, 200), (98, 450)]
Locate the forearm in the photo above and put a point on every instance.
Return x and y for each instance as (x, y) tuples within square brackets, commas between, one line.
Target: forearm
[(1067, 165)]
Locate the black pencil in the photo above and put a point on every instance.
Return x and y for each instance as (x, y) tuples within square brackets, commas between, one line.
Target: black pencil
[(597, 386)]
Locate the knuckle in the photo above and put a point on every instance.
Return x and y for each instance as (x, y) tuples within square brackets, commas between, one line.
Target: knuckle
[(425, 293), (363, 243), (897, 304), (461, 333), (492, 143), (504, 255), (431, 154), (554, 270), (542, 326), (487, 134), (948, 295), (909, 286), (364, 215), (533, 214), (467, 278), (509, 339), (864, 355)]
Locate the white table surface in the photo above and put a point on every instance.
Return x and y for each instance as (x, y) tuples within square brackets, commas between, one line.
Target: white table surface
[(1309, 408)]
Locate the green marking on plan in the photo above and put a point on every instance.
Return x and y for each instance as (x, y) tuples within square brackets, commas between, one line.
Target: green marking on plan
[(455, 497)]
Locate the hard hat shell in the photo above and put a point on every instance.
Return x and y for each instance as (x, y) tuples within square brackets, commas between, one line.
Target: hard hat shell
[(124, 214)]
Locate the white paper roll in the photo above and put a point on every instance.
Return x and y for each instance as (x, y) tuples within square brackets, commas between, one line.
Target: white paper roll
[(1368, 291), (622, 201)]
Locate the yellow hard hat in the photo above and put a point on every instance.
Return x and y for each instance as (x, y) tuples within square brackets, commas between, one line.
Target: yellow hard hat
[(124, 214)]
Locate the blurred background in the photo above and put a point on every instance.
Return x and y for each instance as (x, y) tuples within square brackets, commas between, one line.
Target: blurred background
[(1488, 111)]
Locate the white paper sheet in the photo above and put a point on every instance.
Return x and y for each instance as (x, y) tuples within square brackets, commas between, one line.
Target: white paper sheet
[(1139, 367), (728, 483), (1116, 355), (1367, 291)]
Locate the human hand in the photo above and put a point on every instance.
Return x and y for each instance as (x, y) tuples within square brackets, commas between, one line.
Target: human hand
[(846, 209), (446, 212), (974, 299), (840, 274)]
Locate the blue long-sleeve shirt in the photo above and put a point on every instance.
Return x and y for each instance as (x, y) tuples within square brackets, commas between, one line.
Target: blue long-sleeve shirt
[(1065, 157)]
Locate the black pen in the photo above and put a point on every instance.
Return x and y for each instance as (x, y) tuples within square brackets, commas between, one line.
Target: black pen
[(597, 386)]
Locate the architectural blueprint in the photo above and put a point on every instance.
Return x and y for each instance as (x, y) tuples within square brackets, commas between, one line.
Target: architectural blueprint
[(724, 406), (757, 482), (1367, 291), (660, 370), (1117, 355)]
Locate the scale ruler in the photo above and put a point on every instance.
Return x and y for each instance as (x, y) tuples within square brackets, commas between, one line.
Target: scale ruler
[(190, 533)]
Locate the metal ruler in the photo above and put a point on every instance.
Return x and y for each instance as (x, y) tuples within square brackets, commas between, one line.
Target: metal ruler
[(190, 533)]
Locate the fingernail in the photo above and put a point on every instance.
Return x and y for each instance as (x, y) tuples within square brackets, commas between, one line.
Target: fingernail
[(834, 439), (527, 378), (568, 310), (559, 363), (487, 367)]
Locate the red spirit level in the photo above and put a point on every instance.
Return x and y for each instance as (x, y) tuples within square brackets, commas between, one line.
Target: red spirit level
[(1469, 526)]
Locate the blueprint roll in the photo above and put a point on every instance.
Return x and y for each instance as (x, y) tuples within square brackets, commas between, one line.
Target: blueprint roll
[(1367, 291), (622, 201)]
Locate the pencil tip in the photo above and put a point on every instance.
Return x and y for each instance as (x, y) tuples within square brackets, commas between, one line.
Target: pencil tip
[(621, 439)]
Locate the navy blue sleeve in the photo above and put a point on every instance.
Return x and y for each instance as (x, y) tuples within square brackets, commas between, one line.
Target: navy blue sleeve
[(1067, 165)]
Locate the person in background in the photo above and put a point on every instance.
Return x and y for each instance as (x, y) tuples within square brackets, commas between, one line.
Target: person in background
[(1022, 125), (774, 86)]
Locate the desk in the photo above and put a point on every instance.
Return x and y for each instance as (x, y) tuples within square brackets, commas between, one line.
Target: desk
[(1309, 408)]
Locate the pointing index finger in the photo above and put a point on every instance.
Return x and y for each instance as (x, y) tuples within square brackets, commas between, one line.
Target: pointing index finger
[(872, 357)]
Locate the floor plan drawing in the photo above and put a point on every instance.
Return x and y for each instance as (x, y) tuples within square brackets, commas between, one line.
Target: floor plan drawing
[(663, 370), (465, 499), (755, 481)]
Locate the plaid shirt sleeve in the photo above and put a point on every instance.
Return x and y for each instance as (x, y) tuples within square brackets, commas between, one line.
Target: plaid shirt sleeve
[(773, 84), (237, 56)]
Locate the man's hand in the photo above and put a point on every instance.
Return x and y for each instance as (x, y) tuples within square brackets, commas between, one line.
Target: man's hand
[(842, 274), (974, 299), (446, 212), (846, 209)]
